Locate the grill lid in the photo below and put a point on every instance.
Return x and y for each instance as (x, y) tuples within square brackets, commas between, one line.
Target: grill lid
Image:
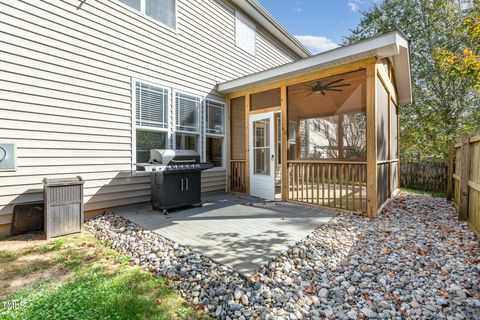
[(171, 157)]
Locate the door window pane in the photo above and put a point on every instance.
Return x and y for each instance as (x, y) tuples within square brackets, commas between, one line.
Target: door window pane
[(147, 140), (186, 142), (214, 149), (161, 10), (261, 161), (261, 148)]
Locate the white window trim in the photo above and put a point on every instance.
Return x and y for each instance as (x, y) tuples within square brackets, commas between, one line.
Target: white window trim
[(145, 128), (213, 135), (142, 13)]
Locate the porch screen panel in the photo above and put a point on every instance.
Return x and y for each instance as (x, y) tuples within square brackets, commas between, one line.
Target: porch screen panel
[(237, 128), (327, 118), (382, 122), (393, 130), (265, 99), (382, 184), (394, 176)]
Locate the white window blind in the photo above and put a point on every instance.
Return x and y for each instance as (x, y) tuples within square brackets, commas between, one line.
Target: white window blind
[(151, 106), (215, 117), (187, 110), (245, 33), (161, 10)]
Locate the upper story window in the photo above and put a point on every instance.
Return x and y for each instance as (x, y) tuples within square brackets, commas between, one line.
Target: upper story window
[(245, 33), (163, 11)]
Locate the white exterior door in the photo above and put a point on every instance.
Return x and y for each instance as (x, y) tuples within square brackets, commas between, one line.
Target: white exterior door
[(262, 155)]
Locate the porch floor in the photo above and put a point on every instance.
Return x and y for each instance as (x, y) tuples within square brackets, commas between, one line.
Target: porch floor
[(238, 231)]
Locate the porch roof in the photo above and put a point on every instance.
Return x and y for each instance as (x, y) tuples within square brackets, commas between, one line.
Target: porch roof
[(393, 45)]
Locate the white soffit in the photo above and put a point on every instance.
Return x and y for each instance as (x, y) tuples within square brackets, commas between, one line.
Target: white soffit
[(392, 44)]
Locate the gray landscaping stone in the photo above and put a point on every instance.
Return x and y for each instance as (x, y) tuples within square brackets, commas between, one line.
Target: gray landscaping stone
[(415, 261)]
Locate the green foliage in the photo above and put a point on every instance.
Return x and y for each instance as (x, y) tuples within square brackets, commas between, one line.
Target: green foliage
[(444, 106), (465, 64), (125, 294), (87, 280), (416, 191)]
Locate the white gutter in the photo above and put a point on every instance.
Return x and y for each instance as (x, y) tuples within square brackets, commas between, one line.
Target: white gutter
[(266, 20)]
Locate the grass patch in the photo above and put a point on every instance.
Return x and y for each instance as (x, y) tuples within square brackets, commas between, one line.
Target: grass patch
[(77, 277), (416, 191)]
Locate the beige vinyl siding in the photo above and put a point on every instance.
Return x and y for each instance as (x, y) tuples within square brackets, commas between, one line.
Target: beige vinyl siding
[(66, 70)]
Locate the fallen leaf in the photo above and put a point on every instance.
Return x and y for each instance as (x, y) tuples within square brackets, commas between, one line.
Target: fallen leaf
[(443, 292), (310, 290)]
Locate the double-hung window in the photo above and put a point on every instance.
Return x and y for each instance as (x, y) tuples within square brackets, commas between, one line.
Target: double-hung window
[(164, 11), (215, 132), (187, 122), (151, 119)]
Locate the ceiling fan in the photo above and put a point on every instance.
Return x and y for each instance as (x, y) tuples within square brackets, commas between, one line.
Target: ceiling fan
[(332, 86)]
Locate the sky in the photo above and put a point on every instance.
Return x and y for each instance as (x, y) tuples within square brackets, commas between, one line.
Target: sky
[(318, 24)]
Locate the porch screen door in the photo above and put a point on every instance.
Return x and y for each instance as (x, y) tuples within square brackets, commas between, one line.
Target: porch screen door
[(262, 155)]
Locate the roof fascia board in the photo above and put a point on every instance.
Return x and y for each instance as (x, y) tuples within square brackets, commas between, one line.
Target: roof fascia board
[(382, 46)]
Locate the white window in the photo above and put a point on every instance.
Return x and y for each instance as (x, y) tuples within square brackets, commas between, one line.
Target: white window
[(187, 122), (151, 119), (164, 11), (245, 33), (215, 132)]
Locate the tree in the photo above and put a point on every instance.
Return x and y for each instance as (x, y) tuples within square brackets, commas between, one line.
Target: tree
[(465, 64), (444, 106)]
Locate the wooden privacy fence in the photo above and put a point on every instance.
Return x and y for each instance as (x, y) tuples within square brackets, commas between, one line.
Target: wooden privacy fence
[(428, 176), (464, 179), (338, 184)]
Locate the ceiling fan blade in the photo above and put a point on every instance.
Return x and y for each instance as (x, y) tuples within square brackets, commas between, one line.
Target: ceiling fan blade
[(308, 86), (340, 85), (338, 90), (323, 93), (333, 82), (312, 92)]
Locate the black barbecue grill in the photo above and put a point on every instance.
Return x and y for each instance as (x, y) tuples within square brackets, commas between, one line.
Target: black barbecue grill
[(175, 178)]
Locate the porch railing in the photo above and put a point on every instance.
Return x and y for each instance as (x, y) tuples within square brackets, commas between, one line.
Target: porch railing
[(237, 176), (335, 184)]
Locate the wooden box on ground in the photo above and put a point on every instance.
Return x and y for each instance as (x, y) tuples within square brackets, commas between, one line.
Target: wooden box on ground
[(63, 201)]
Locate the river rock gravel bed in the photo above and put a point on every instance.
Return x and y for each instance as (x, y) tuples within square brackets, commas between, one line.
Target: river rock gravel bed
[(415, 261)]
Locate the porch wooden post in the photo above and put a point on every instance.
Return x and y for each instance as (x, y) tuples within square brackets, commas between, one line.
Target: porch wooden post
[(371, 141), (450, 171), (284, 120), (247, 143), (464, 176)]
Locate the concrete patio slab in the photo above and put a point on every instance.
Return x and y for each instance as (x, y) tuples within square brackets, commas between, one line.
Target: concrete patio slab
[(237, 231)]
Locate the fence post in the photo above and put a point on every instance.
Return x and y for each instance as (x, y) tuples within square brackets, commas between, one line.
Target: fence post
[(450, 171), (464, 176)]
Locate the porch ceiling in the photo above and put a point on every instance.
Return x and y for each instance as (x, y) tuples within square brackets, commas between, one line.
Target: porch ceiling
[(393, 45)]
